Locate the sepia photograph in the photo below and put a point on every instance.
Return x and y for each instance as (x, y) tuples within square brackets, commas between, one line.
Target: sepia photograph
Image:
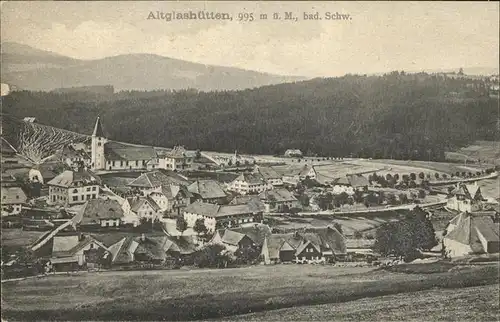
[(250, 161)]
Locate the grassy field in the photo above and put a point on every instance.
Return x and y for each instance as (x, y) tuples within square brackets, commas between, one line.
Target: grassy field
[(17, 237), (206, 294), (478, 303)]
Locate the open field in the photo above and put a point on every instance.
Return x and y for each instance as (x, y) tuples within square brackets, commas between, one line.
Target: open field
[(466, 304), (205, 294), (17, 237), (480, 150)]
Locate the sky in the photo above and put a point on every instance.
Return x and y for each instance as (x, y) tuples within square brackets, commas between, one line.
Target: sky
[(379, 37)]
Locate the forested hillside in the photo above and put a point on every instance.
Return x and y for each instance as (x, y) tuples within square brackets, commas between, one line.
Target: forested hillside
[(397, 115)]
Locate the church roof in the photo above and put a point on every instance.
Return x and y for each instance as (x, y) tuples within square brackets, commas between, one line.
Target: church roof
[(128, 152), (98, 131)]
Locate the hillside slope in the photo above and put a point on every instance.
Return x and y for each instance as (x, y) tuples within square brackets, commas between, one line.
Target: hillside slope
[(394, 116), (37, 142), (33, 69)]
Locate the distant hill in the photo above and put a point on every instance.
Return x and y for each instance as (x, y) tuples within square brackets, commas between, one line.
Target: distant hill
[(33, 69)]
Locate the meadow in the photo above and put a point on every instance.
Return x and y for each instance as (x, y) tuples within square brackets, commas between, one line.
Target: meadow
[(206, 294)]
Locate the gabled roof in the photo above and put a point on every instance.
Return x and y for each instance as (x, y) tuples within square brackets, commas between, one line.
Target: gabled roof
[(252, 178), (203, 208), (70, 152), (207, 189), (232, 237), (469, 191), (137, 202), (171, 191), (306, 243), (469, 226), (98, 131), (116, 151), (179, 152), (95, 210), (13, 195), (256, 232), (67, 246), (154, 179), (211, 210), (277, 242), (123, 250), (268, 173), (73, 178), (277, 195)]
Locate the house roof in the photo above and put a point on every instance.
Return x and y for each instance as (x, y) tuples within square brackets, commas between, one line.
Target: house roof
[(277, 195), (66, 246), (203, 208), (171, 191), (329, 237), (252, 178), (275, 243), (470, 191), (98, 131), (304, 244), (154, 179), (157, 247), (13, 195), (137, 202), (207, 189), (95, 210), (123, 250), (70, 152), (73, 178), (211, 210), (268, 173), (469, 226), (117, 151), (256, 232), (232, 237), (178, 152)]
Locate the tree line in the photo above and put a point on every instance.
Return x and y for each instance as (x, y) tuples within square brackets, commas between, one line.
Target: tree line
[(397, 115)]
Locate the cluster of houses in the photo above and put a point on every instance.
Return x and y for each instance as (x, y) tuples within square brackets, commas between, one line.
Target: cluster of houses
[(92, 205)]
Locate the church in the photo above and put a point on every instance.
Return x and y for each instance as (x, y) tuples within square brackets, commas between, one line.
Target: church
[(110, 155)]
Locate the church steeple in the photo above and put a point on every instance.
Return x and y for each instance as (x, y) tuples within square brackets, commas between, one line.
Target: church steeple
[(98, 128)]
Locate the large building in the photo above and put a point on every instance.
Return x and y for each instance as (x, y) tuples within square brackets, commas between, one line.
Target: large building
[(465, 197), (73, 187), (13, 199), (111, 155)]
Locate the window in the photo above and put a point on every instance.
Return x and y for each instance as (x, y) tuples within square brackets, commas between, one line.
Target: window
[(17, 197), (88, 188), (83, 197), (75, 190), (99, 144), (75, 198), (114, 163), (94, 188), (136, 163), (93, 196), (121, 163)]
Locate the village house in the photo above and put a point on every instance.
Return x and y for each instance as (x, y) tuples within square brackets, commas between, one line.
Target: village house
[(172, 198), (219, 216), (472, 233), (232, 240), (100, 213), (73, 187), (177, 159), (248, 183), (74, 158), (293, 175), (293, 153), (138, 207), (208, 191), (314, 246), (45, 172), (153, 181), (252, 235), (270, 175), (465, 197), (279, 199), (67, 249), (13, 199), (350, 183)]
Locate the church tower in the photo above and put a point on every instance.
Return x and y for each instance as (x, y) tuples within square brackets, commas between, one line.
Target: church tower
[(98, 141)]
